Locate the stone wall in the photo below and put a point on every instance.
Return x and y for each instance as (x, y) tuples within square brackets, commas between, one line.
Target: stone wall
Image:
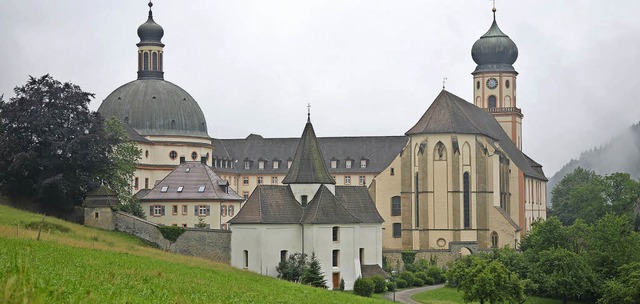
[(212, 244), (442, 256)]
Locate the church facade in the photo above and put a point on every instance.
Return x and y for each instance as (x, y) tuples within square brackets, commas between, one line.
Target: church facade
[(458, 176)]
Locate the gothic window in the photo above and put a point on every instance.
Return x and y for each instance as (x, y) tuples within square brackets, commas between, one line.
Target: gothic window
[(396, 206), (492, 102), (494, 239), (466, 200)]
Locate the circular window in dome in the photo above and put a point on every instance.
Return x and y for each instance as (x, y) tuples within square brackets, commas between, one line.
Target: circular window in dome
[(173, 154), (194, 155), (507, 84)]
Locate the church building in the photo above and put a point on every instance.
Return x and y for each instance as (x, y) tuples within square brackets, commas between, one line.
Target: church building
[(309, 214)]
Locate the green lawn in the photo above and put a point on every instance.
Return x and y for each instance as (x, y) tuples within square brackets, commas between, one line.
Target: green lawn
[(88, 265), (451, 296)]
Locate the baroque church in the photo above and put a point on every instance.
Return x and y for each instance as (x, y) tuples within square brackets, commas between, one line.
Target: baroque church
[(458, 178)]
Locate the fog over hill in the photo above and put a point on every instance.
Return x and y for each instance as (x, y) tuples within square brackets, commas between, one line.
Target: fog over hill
[(621, 154)]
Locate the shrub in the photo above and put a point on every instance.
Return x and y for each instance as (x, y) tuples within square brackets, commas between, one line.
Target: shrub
[(428, 281), (418, 282), (171, 233), (391, 286), (437, 274), (421, 275), (363, 287), (380, 284), (341, 284), (407, 277), (400, 283)]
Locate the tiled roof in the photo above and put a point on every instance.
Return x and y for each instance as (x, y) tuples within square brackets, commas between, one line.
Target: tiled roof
[(379, 151), (270, 204), (325, 208), (276, 204), (308, 165), (192, 177), (101, 197), (451, 114), (134, 135), (373, 270)]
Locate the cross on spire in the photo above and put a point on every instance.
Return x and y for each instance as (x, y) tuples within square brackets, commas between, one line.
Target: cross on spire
[(444, 82), (308, 112)]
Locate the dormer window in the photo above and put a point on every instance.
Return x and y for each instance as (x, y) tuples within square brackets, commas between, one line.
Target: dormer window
[(334, 164), (201, 189), (164, 189), (276, 164), (247, 165), (180, 188), (363, 163), (261, 165), (347, 164)]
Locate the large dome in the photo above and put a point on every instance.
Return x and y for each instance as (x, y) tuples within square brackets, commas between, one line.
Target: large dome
[(156, 107), (494, 51)]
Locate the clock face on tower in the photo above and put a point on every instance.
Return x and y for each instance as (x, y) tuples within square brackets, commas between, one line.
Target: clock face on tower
[(492, 83)]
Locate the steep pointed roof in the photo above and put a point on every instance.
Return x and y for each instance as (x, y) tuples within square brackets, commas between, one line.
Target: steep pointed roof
[(308, 163), (450, 114), (325, 208)]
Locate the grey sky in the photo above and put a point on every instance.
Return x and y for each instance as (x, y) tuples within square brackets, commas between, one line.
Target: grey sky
[(367, 67)]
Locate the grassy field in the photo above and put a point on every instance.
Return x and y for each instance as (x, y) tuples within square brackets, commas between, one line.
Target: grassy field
[(452, 296), (85, 265)]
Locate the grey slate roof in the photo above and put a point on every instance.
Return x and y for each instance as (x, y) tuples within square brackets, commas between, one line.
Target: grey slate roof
[(451, 114), (191, 176), (494, 51), (379, 151), (308, 165), (275, 204), (134, 135)]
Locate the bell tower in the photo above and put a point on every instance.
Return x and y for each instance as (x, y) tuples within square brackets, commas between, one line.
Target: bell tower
[(150, 49), (494, 79)]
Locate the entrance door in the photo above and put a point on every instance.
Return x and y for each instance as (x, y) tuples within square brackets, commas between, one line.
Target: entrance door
[(336, 280)]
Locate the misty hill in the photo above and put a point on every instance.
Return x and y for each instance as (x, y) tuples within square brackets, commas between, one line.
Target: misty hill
[(621, 154)]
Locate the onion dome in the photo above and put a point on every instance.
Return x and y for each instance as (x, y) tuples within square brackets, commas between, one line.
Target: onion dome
[(150, 32), (494, 51)]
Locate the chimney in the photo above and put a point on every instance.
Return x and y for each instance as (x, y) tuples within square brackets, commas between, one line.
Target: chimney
[(203, 160), (181, 159)]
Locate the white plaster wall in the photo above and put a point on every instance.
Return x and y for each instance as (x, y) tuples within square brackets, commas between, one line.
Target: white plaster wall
[(264, 243)]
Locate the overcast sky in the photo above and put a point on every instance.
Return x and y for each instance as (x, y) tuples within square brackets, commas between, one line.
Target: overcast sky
[(367, 67)]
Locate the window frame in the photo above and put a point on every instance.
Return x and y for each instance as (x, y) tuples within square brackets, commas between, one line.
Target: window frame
[(335, 258), (396, 229), (335, 234)]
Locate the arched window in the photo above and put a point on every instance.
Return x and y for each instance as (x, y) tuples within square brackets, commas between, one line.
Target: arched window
[(154, 60), (492, 102), (146, 61), (396, 206), (478, 85), (335, 233), (494, 239), (466, 200)]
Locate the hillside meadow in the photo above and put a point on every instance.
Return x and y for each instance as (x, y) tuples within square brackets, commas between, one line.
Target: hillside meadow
[(451, 296), (76, 264)]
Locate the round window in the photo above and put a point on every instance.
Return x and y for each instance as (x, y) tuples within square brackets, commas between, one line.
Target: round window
[(173, 154), (194, 155), (507, 84)]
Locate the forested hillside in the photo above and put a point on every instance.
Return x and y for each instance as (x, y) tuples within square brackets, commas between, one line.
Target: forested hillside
[(621, 154)]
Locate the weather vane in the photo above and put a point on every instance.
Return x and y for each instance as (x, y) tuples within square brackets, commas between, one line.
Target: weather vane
[(444, 82)]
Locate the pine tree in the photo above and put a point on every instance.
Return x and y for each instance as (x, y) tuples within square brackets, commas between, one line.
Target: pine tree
[(312, 274)]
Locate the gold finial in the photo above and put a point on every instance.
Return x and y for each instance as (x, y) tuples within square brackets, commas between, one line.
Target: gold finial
[(494, 10), (444, 82)]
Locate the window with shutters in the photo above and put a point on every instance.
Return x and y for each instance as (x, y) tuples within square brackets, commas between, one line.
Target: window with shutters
[(202, 210), (231, 210), (156, 210)]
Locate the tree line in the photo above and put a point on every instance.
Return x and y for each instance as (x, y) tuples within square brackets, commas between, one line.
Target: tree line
[(54, 150)]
